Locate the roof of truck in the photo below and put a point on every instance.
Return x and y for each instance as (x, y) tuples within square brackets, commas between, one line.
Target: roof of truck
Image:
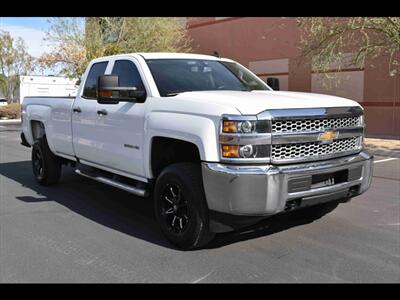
[(169, 55), (164, 55)]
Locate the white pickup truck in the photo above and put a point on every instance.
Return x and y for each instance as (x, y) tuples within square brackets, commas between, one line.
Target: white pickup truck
[(209, 142)]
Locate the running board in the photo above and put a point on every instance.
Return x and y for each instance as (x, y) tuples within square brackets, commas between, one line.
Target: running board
[(122, 186)]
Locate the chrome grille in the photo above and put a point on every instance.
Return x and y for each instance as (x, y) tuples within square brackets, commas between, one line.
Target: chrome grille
[(314, 149), (282, 126)]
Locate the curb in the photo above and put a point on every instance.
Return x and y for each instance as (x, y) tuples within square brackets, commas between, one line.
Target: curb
[(380, 152), (10, 122)]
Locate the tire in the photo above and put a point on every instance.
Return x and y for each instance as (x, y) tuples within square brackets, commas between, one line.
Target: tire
[(46, 166), (180, 206)]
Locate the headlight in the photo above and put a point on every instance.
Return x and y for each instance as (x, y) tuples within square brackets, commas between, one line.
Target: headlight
[(236, 151), (244, 138), (238, 126)]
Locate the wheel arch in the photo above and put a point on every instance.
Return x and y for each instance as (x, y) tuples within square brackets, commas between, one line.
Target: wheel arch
[(201, 132), (165, 151), (38, 130)]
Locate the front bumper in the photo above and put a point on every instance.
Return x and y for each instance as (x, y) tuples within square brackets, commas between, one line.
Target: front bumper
[(262, 190)]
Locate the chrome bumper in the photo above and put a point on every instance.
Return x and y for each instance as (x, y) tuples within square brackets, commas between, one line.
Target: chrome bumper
[(262, 190)]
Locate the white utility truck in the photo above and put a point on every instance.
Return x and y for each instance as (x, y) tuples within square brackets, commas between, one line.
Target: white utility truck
[(44, 86), (209, 142)]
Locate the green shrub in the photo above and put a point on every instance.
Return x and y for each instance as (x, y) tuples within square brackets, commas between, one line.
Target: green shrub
[(10, 111)]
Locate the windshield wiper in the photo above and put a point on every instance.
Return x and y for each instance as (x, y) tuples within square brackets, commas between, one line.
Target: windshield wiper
[(177, 93), (171, 94)]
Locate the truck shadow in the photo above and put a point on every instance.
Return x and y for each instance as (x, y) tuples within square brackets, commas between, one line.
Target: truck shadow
[(122, 211), (262, 228)]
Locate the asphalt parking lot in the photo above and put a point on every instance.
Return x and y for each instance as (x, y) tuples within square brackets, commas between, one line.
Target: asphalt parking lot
[(84, 231)]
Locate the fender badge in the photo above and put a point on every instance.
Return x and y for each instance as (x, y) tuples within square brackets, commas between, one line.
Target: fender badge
[(328, 136)]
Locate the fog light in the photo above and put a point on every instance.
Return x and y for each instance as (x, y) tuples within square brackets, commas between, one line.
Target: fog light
[(246, 151)]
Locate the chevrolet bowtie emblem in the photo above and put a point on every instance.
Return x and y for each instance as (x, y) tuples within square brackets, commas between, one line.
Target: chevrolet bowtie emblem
[(328, 136)]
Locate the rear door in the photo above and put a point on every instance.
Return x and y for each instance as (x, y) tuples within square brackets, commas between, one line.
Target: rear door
[(84, 116)]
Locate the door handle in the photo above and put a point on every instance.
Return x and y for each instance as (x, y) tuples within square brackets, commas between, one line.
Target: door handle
[(102, 112), (77, 110)]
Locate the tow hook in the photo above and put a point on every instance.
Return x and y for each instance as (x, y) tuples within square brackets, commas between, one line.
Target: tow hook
[(292, 204)]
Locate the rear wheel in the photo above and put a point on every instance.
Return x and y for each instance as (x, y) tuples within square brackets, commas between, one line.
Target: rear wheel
[(180, 206), (46, 166)]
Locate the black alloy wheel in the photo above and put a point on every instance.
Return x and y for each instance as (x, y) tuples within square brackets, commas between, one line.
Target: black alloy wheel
[(180, 206), (45, 165), (174, 208), (37, 163)]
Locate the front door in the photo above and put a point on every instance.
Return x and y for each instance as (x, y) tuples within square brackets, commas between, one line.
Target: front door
[(120, 127)]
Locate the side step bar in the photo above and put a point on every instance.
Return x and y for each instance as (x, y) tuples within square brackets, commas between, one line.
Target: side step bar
[(122, 186)]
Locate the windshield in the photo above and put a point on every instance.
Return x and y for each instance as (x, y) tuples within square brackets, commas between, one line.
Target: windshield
[(174, 76)]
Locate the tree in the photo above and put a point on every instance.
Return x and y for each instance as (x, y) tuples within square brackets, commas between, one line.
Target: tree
[(341, 42), (76, 41), (66, 37), (14, 61), (3, 85)]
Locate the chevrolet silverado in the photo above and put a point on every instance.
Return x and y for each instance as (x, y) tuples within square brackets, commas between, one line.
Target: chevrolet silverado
[(211, 144)]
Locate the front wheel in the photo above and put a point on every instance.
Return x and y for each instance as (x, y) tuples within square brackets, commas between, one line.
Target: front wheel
[(180, 206)]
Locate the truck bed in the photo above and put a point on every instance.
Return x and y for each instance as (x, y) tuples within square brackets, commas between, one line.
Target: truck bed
[(55, 114)]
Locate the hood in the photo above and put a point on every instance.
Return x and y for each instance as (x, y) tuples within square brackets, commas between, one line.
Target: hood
[(252, 103)]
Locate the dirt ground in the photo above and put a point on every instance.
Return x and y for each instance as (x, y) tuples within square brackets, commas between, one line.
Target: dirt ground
[(383, 147)]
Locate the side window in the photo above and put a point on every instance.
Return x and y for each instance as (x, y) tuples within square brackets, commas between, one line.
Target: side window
[(128, 74), (96, 70)]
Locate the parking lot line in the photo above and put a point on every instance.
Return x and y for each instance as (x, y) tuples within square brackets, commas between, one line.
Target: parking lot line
[(383, 160)]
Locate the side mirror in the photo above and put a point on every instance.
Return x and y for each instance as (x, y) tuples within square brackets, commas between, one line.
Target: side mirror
[(109, 91), (273, 83)]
